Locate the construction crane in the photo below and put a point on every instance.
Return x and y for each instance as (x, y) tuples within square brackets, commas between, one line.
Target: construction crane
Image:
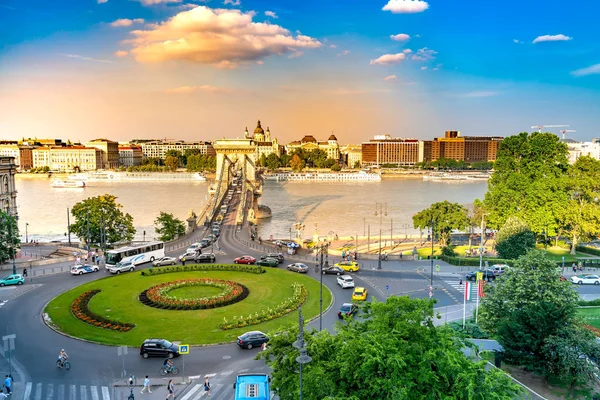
[(565, 131), (539, 127), (166, 139)]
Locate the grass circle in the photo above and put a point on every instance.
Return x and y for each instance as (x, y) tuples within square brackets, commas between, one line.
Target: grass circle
[(195, 292)]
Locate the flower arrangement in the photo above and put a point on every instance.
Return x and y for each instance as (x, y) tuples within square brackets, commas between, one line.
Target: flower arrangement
[(201, 267), (158, 296), (80, 310), (288, 305)]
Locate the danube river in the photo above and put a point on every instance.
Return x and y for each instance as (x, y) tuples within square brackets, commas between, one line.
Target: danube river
[(345, 209)]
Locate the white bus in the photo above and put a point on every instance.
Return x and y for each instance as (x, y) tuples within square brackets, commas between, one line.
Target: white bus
[(137, 253)]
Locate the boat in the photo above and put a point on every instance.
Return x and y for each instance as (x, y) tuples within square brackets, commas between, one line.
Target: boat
[(68, 184), (453, 177), (122, 176), (264, 212), (361, 176)]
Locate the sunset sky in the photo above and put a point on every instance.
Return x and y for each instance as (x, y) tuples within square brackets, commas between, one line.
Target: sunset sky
[(203, 70)]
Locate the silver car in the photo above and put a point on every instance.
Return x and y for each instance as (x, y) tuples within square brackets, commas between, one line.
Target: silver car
[(164, 261), (298, 267)]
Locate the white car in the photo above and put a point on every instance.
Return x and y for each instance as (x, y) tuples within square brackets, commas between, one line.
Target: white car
[(83, 269), (189, 255), (345, 281), (499, 269), (194, 247), (122, 267), (588, 279)]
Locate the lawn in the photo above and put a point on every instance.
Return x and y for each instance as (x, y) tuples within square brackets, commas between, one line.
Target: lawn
[(591, 316), (118, 301)]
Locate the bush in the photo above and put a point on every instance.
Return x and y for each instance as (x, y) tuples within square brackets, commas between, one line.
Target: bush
[(472, 330), (474, 262), (514, 239), (589, 303), (80, 310), (588, 250), (204, 267), (449, 251)]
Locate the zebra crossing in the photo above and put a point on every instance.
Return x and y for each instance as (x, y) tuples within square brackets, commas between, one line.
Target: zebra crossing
[(3, 302), (55, 391), (461, 288)]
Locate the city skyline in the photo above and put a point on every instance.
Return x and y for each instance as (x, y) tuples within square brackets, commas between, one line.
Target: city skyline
[(82, 70)]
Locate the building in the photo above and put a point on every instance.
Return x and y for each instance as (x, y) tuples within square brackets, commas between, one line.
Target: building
[(581, 149), (8, 189), (351, 155), (263, 142), (130, 155), (21, 154), (110, 152), (470, 149), (384, 149), (159, 148), (308, 142), (68, 158)]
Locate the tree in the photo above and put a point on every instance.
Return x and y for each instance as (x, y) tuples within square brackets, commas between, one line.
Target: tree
[(514, 239), (172, 162), (168, 227), (101, 211), (272, 162), (533, 314), (396, 352), (446, 217), (297, 163), (356, 164), (9, 236), (262, 160), (336, 167)]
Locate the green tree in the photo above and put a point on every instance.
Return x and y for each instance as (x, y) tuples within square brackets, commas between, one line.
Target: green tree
[(514, 239), (396, 352), (168, 227), (272, 162), (99, 211), (356, 164), (9, 236), (262, 160), (533, 314), (297, 163), (446, 217), (172, 162), (336, 167)]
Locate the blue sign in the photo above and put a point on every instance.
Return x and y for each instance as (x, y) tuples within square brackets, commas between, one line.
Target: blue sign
[(387, 287), (184, 349)]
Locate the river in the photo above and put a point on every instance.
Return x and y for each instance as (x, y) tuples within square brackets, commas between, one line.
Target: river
[(344, 208)]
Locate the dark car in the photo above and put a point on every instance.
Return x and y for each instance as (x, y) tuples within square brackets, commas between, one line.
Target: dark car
[(347, 310), (277, 256), (488, 275), (159, 348), (333, 270), (252, 339), (268, 262), (205, 243), (206, 258)]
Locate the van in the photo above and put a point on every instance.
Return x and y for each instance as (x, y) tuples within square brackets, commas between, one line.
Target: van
[(499, 269), (252, 387)]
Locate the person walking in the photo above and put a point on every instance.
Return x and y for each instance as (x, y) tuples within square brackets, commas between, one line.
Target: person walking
[(183, 261), (2, 395), (207, 386), (574, 268), (24, 272), (146, 385), (7, 384), (170, 390)]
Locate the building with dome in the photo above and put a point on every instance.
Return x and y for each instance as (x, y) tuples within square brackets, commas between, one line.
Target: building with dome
[(262, 139), (308, 142)]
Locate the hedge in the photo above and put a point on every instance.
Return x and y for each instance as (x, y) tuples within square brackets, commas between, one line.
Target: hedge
[(472, 262), (589, 250), (204, 267)]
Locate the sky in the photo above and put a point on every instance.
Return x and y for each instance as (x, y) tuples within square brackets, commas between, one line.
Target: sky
[(205, 70)]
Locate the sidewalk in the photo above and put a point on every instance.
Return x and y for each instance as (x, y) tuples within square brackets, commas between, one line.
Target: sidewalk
[(18, 381), (122, 390)]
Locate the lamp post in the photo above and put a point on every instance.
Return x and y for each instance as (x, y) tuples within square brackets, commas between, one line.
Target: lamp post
[(431, 276), (481, 242), (323, 250), (380, 209), (69, 227), (12, 241), (303, 358), (26, 235)]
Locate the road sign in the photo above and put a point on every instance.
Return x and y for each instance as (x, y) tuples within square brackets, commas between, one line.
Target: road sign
[(480, 276), (437, 267), (387, 287), (184, 349)]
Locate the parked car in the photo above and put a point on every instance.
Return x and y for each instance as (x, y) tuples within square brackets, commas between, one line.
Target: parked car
[(206, 258), (245, 260), (277, 256), (333, 271), (205, 243), (347, 310), (351, 266), (216, 231), (122, 267), (587, 279), (268, 262), (14, 279), (166, 260), (159, 348), (194, 247), (488, 275), (189, 255), (83, 269), (360, 294), (499, 269), (345, 281), (252, 339), (211, 237), (298, 267)]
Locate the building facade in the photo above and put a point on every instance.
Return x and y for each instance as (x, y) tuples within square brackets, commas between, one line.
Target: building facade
[(351, 155), (159, 148), (11, 150), (470, 149), (8, 189), (263, 142), (331, 147), (110, 152), (68, 158), (384, 149), (581, 149), (130, 155)]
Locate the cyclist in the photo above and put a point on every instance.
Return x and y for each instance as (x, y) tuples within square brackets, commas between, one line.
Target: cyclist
[(168, 365), (62, 357)]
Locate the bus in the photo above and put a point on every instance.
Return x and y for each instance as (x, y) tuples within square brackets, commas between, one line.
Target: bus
[(252, 387), (137, 253)]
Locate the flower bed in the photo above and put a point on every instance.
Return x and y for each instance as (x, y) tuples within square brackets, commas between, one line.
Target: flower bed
[(158, 296), (80, 310), (201, 267), (288, 305)]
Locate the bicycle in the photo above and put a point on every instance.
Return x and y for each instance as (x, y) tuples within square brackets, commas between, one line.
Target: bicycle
[(166, 370), (65, 364)]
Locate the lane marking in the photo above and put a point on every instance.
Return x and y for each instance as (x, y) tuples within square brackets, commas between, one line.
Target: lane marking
[(28, 387), (105, 393), (72, 392), (50, 394), (189, 394), (61, 391), (209, 375), (83, 392), (94, 390), (38, 391)]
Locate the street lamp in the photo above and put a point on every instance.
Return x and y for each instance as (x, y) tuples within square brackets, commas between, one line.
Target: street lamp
[(26, 235), (9, 221), (303, 358), (381, 210), (324, 251), (431, 276)]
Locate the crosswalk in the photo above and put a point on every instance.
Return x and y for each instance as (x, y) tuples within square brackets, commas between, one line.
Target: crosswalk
[(221, 386), (461, 288), (52, 391), (3, 302)]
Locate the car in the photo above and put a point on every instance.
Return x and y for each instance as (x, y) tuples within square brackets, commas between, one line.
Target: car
[(14, 279), (211, 237), (360, 294), (488, 275), (499, 269), (245, 260), (216, 231), (347, 310), (205, 258), (83, 269), (205, 243), (122, 267), (351, 266), (166, 260), (159, 348), (333, 271), (189, 255), (345, 281), (277, 256), (252, 339), (268, 262), (298, 267), (588, 279), (194, 247)]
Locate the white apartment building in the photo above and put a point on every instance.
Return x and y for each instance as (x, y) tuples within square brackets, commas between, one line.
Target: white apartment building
[(130, 156), (159, 148), (580, 149), (68, 158)]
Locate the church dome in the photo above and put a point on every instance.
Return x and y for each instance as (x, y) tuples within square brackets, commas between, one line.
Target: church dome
[(332, 137), (258, 129)]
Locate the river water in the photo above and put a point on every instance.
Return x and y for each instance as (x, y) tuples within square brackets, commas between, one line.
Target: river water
[(344, 208)]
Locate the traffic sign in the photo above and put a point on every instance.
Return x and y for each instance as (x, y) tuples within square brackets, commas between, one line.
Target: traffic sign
[(480, 276), (184, 349), (437, 267), (387, 287)]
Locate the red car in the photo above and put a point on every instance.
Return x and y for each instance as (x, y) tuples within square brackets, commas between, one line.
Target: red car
[(245, 260)]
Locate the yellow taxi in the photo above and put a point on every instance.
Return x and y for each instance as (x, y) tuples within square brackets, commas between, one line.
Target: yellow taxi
[(360, 294), (351, 266)]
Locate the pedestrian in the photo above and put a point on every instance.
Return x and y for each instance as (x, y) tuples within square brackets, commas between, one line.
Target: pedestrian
[(7, 384), (183, 261), (574, 268), (2, 395), (400, 256), (146, 385), (460, 282), (98, 260), (207, 386), (24, 272), (170, 390)]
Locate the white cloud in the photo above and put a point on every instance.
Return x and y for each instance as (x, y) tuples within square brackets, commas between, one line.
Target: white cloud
[(153, 2), (232, 2), (390, 78), (126, 22), (271, 14), (102, 1), (222, 37), (401, 37), (594, 69), (423, 68), (344, 53), (84, 58), (407, 51), (295, 54), (388, 59), (406, 6), (424, 54), (517, 41), (332, 46), (551, 38), (121, 53), (478, 93), (202, 88), (187, 6)]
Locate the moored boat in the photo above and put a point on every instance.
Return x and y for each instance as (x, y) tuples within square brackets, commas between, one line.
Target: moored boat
[(68, 184)]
